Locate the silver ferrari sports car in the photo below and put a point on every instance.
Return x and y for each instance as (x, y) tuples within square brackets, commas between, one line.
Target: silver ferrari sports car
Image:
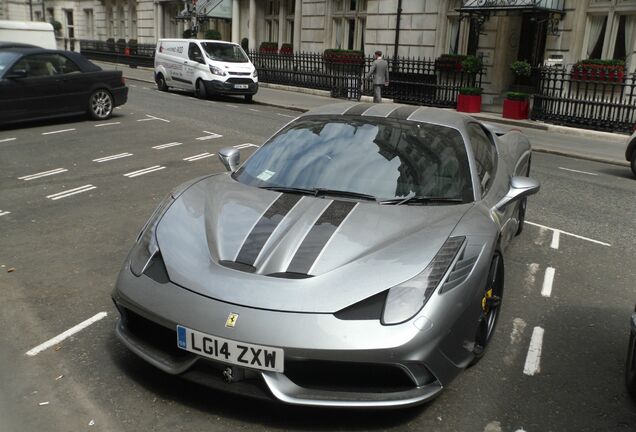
[(356, 259)]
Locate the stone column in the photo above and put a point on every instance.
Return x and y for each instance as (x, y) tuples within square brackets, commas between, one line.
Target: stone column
[(298, 24), (252, 25), (236, 22), (160, 30), (282, 22)]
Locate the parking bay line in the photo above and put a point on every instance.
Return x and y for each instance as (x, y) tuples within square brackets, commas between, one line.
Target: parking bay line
[(197, 157), (533, 359), (70, 192), (42, 174), (107, 124), (144, 171), (112, 157), (577, 171), (548, 280), (59, 338), (285, 115), (246, 145), (58, 131), (211, 135), (153, 118), (556, 235), (164, 146), (569, 234), (4, 213), (7, 140)]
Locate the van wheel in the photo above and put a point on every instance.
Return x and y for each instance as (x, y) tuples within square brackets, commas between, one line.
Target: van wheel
[(248, 98), (100, 104), (200, 91), (161, 83)]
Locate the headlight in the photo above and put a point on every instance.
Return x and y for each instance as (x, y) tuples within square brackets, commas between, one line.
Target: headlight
[(217, 71), (146, 246), (408, 298), (255, 74)]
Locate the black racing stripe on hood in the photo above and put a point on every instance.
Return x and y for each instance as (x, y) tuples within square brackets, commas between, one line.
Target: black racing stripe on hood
[(402, 113), (358, 109), (265, 227), (319, 235)]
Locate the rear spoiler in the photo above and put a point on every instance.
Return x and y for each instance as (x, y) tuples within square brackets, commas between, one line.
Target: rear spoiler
[(497, 129)]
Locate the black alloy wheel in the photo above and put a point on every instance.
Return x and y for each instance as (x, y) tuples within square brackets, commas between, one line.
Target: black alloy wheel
[(490, 307), (633, 162), (100, 104), (200, 91), (630, 367), (161, 83)]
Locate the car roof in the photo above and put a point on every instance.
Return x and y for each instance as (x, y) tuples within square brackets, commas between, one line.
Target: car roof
[(422, 114), (16, 45)]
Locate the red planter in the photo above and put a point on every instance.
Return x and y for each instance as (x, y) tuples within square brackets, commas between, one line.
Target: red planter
[(516, 109), (469, 103)]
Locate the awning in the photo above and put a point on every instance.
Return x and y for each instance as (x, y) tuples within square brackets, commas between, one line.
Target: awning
[(512, 5), (214, 8)]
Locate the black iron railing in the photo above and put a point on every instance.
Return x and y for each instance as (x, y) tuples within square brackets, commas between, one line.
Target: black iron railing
[(606, 103), (414, 81), (119, 52)]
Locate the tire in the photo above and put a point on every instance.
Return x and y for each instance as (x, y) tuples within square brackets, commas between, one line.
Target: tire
[(248, 98), (199, 90), (630, 367), (161, 83), (491, 307), (633, 163), (100, 104)]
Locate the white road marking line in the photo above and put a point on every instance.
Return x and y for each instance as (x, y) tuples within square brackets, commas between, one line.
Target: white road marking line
[(246, 145), (112, 157), (132, 85), (145, 88), (231, 106), (285, 115), (570, 234), (58, 131), (199, 156), (4, 213), (7, 140), (70, 192), (211, 135), (548, 280), (533, 359), (59, 338), (153, 118), (144, 171), (163, 146), (42, 174), (516, 336), (556, 235), (577, 171), (255, 110), (107, 124)]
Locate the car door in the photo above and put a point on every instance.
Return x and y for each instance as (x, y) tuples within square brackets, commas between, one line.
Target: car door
[(38, 87), (75, 84), (10, 91), (195, 59)]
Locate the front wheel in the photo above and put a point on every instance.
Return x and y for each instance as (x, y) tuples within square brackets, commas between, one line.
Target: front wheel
[(490, 308), (100, 104), (633, 163), (161, 83), (630, 367), (200, 91)]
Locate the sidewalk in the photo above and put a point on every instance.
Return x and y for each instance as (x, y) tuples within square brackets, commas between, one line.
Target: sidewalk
[(567, 141)]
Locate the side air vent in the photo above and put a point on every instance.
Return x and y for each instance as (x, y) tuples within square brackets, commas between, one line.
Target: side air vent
[(290, 275), (463, 267), (238, 266), (367, 309)]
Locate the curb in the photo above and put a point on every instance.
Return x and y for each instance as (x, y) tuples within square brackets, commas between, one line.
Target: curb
[(581, 156)]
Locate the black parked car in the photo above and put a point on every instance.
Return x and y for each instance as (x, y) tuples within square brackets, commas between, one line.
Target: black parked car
[(37, 83)]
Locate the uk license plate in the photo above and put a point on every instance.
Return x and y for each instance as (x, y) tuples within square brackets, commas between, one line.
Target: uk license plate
[(241, 86), (230, 351)]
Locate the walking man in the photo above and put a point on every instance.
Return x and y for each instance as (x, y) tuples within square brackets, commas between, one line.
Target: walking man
[(380, 73)]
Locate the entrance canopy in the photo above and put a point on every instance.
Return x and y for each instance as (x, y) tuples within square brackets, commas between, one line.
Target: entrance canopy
[(214, 8), (513, 5)]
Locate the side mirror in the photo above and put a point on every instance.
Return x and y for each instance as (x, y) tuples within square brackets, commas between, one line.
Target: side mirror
[(17, 74), (230, 157), (520, 187)]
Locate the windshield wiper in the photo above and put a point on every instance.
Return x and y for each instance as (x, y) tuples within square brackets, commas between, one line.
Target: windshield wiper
[(419, 199), (321, 192)]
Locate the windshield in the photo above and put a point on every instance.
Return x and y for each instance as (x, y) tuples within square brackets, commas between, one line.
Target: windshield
[(225, 52), (385, 159), (6, 58)]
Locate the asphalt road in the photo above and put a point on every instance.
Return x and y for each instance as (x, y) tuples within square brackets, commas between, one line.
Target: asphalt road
[(66, 229)]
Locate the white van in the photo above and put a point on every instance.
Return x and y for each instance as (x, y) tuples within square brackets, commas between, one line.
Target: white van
[(40, 34), (204, 66)]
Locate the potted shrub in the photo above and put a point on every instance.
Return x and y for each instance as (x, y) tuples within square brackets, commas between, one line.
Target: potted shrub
[(598, 70), (449, 62), (212, 34), (268, 47), (57, 27), (469, 100), (516, 105), (472, 64), (287, 49), (342, 56)]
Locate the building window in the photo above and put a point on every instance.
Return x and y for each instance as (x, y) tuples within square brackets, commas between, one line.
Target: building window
[(121, 21), (453, 35), (38, 15), (610, 37), (271, 20), (109, 20), (473, 38), (90, 23), (132, 18), (50, 14), (70, 27), (349, 24)]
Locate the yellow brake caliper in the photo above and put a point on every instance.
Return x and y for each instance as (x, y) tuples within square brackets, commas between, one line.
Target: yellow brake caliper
[(484, 301)]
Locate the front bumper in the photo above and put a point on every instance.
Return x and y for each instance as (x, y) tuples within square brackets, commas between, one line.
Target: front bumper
[(229, 87), (403, 352)]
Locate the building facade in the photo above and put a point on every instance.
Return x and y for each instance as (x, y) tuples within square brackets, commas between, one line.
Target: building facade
[(500, 31)]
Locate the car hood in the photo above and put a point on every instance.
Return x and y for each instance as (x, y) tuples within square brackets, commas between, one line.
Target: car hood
[(264, 249)]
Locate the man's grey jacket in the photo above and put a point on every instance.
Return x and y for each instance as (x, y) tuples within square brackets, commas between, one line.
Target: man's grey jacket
[(379, 71)]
